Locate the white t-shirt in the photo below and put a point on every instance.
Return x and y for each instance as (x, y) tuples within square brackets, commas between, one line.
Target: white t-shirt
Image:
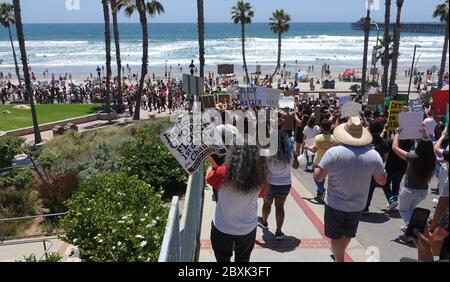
[(236, 212), (430, 125), (443, 181), (279, 172), (310, 133)]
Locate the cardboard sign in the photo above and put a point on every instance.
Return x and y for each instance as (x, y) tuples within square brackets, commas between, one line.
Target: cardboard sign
[(193, 85), (209, 102), (259, 96), (395, 109), (440, 102), (224, 98), (351, 109), (410, 123), (344, 100), (416, 105), (225, 69), (376, 99), (287, 102), (178, 139)]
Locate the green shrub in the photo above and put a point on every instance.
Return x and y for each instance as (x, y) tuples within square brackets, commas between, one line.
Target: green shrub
[(51, 257), (54, 191), (18, 178), (148, 159), (9, 148), (115, 218)]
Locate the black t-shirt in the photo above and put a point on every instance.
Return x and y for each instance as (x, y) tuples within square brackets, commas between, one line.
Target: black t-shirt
[(396, 164), (381, 146)]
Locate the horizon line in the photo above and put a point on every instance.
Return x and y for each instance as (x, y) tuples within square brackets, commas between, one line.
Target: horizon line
[(257, 22)]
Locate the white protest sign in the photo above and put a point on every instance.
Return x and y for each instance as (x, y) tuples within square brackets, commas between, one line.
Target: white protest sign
[(344, 100), (351, 109), (192, 142), (259, 96), (410, 123), (416, 105), (232, 92), (287, 102)]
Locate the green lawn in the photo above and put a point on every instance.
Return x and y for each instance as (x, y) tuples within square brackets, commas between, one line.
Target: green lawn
[(46, 113)]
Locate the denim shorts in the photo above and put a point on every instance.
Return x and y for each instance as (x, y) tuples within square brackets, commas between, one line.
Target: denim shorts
[(278, 191)]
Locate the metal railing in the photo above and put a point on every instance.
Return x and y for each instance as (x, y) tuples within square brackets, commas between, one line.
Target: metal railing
[(181, 242), (23, 242)]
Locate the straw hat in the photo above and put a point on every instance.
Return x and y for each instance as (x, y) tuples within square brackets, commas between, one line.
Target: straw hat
[(353, 133), (220, 107)]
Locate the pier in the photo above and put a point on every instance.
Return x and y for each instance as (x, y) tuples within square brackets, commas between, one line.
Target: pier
[(430, 28)]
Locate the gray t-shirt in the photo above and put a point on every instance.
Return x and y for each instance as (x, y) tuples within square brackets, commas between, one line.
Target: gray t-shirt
[(350, 170), (411, 180)]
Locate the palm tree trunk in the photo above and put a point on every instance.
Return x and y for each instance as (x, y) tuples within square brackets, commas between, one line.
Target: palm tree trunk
[(26, 73), (396, 46), (444, 59), (14, 55), (279, 56), (108, 56), (143, 20), (201, 36), (366, 48), (118, 59), (247, 78), (386, 61)]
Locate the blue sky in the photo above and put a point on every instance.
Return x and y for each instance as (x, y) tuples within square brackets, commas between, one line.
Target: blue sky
[(54, 11)]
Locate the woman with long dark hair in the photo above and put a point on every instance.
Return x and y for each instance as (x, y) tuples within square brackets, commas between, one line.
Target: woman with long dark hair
[(280, 181), (238, 182), (420, 170)]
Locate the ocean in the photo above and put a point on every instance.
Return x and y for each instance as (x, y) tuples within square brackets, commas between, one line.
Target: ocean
[(79, 48)]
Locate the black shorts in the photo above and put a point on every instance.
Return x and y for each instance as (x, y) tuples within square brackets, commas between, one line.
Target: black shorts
[(299, 136), (339, 223), (278, 191)]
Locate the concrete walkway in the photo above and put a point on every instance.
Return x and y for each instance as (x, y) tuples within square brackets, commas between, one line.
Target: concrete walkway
[(303, 226)]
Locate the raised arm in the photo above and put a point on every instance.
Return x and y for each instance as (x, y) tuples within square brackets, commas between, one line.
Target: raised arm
[(395, 145), (437, 147)]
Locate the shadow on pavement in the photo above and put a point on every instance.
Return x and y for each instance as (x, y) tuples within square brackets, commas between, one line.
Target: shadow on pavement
[(288, 244), (314, 201), (393, 214), (375, 218)]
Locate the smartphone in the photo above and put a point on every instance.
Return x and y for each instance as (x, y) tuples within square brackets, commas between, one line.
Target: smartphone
[(419, 221)]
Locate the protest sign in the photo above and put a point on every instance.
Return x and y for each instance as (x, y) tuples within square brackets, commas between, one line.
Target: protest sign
[(224, 98), (208, 102), (440, 102), (225, 69), (344, 100), (395, 108), (287, 102), (259, 96), (376, 99), (416, 105), (232, 92), (351, 109), (410, 123), (178, 139), (258, 69), (193, 85), (289, 93)]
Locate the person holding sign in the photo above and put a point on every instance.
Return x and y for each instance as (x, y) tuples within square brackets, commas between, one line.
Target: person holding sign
[(420, 170), (238, 183)]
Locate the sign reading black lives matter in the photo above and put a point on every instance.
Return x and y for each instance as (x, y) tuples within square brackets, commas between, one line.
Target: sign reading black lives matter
[(191, 141)]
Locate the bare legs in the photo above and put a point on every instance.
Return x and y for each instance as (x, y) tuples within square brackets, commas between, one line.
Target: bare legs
[(279, 210), (338, 247)]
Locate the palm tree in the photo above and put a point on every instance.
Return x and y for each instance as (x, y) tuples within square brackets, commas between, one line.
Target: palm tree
[(26, 73), (387, 43), (115, 7), (279, 24), (441, 12), (201, 36), (151, 7), (366, 48), (105, 4), (396, 45), (382, 50), (6, 20), (243, 13)]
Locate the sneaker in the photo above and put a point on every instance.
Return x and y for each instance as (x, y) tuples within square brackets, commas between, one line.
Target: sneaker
[(392, 206), (279, 235), (262, 225), (320, 197)]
